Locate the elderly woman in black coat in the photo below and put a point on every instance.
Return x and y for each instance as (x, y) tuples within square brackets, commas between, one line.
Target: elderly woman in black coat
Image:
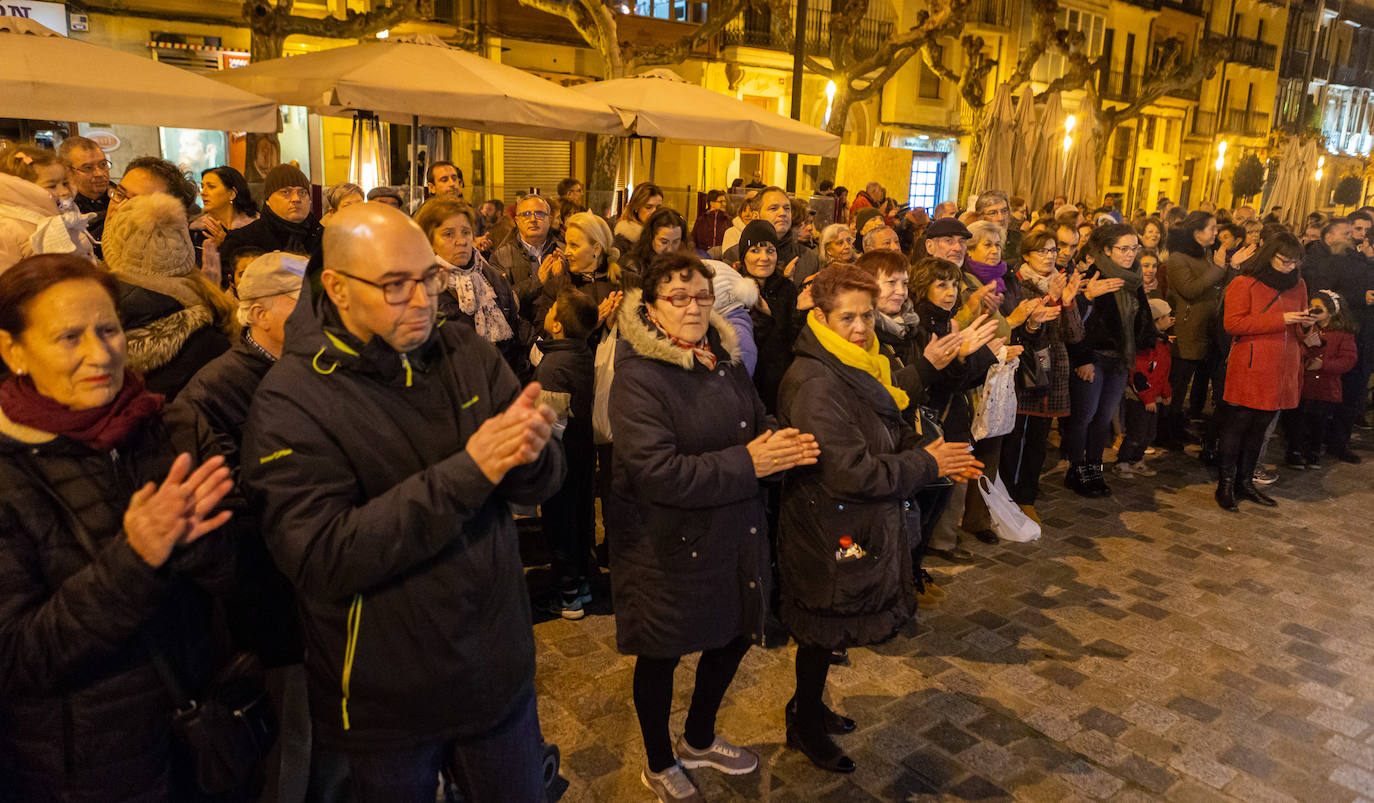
[(685, 516), (843, 541), (106, 549)]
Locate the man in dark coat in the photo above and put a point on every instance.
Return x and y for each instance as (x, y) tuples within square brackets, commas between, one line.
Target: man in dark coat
[(287, 222), (1334, 263), (383, 453), (518, 258), (773, 205), (90, 176)]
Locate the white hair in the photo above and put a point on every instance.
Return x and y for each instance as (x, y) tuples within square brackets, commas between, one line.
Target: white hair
[(982, 230)]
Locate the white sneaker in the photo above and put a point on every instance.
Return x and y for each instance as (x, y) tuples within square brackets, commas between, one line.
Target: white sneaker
[(721, 755), (1123, 469), (671, 785), (1143, 470)]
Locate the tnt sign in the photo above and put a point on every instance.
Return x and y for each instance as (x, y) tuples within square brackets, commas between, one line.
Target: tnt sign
[(49, 15)]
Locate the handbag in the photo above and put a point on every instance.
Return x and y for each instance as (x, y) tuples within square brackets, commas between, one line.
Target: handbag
[(1008, 520), (994, 409), (1034, 374), (603, 368), (226, 733)]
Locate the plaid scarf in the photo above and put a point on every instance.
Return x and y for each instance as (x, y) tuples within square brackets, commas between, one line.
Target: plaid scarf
[(701, 349)]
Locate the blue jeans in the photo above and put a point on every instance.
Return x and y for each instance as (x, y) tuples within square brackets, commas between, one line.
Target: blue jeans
[(1093, 405), (503, 764)]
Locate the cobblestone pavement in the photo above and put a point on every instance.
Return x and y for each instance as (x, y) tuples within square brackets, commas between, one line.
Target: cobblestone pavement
[(1150, 646)]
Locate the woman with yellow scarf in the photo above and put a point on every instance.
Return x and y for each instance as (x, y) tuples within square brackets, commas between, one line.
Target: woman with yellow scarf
[(847, 522)]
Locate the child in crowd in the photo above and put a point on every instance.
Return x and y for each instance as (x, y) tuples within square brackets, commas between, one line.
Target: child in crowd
[(1328, 353), (1146, 393), (1150, 273), (569, 516)]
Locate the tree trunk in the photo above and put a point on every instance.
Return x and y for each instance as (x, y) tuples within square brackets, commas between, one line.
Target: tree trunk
[(604, 170), (839, 118), (262, 47)]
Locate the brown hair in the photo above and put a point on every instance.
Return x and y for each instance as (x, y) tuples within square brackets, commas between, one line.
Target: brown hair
[(438, 209), (883, 263), (663, 267), (929, 270), (30, 278), (837, 278), (639, 198), (1036, 240), (576, 313), (23, 160)]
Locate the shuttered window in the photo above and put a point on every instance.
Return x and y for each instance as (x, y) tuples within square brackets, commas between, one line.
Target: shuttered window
[(536, 163)]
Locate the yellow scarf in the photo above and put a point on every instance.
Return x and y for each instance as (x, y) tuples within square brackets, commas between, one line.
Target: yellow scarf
[(867, 360)]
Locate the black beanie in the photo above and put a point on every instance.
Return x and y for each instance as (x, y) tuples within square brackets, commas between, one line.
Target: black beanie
[(283, 175), (756, 232)]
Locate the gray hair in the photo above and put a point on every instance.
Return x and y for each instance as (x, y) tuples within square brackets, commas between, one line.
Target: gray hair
[(988, 198), (871, 238), (831, 233), (336, 194), (982, 230)]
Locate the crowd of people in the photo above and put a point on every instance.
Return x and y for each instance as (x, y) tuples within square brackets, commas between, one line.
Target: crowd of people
[(233, 427)]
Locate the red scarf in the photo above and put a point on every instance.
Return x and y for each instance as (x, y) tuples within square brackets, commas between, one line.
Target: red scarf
[(99, 427), (701, 350)]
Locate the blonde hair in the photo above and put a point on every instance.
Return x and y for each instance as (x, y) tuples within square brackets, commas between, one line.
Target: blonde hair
[(598, 232), (22, 160)]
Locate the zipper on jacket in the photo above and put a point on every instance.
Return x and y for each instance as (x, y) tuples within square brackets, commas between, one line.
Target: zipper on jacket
[(405, 362), (355, 618)]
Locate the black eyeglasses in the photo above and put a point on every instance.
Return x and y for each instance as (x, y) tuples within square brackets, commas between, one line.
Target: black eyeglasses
[(1046, 252), (532, 215), (399, 291)]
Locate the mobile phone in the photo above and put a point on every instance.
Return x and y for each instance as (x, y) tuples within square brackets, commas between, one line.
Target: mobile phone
[(1314, 311)]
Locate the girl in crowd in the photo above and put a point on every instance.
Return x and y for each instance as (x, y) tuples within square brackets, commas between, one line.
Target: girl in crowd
[(1265, 310), (775, 316), (33, 194), (663, 232), (98, 569), (1328, 353), (685, 519), (1152, 279), (228, 206), (477, 294), (1147, 393), (1023, 451), (1118, 322), (646, 200), (844, 538)]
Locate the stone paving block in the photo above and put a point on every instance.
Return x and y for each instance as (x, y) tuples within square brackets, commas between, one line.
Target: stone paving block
[(1202, 768), (1196, 709), (1338, 722), (1354, 779), (1352, 751), (1090, 780)]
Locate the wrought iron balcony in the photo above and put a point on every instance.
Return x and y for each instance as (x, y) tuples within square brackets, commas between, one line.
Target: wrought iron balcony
[(1245, 123), (753, 29), (1254, 53)]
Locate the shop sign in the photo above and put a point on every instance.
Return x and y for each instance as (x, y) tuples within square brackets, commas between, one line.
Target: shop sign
[(49, 15), (105, 139)]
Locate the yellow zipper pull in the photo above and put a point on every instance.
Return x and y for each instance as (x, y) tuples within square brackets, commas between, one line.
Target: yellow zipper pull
[(405, 361)]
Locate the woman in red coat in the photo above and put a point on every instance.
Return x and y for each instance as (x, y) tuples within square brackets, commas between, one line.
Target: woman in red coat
[(1265, 308)]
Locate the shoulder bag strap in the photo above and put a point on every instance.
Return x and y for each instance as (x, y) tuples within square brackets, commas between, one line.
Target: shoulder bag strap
[(183, 702)]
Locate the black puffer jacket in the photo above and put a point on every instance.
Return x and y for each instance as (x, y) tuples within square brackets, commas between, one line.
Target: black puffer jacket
[(685, 519), (261, 608), (172, 332), (870, 469), (270, 233), (774, 334), (83, 714), (404, 556)]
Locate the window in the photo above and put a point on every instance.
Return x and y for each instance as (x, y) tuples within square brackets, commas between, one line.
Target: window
[(1121, 153), (1152, 133), (929, 81), (927, 174), (1051, 65)]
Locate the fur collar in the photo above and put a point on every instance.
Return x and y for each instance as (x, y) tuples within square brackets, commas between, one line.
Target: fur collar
[(646, 341)]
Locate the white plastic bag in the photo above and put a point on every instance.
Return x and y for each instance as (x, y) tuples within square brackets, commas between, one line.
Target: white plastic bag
[(1007, 519), (994, 411), (604, 372)]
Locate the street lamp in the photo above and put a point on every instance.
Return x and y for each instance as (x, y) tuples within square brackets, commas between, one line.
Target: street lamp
[(1321, 163), (1219, 164), (1069, 123), (829, 100)]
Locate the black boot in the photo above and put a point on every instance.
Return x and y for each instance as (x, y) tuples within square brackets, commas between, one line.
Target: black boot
[(1079, 480), (1246, 489), (1226, 489), (811, 739), (1097, 481)]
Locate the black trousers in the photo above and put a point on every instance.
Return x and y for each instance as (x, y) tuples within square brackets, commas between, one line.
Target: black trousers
[(569, 518), (1312, 425), (1140, 431), (1242, 437), (653, 694), (813, 664), (1023, 457)]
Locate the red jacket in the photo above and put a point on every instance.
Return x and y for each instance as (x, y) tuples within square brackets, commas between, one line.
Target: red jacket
[(1338, 355), (1265, 368), (1150, 379)]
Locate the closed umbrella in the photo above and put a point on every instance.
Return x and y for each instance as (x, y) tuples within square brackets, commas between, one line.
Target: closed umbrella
[(1308, 194), (994, 163), (423, 81), (1284, 192), (1082, 157), (660, 104), (46, 76), (1049, 151), (1023, 137)]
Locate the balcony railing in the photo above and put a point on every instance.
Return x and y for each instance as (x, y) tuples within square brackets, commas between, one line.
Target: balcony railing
[(1193, 93), (1194, 7), (1347, 75), (1245, 123), (1204, 124), (1118, 85), (752, 29), (996, 13), (1254, 53)]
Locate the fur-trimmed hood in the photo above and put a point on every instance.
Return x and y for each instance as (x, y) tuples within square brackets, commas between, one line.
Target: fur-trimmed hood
[(646, 341)]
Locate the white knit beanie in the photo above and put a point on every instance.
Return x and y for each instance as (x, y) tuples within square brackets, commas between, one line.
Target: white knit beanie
[(732, 290), (149, 235)]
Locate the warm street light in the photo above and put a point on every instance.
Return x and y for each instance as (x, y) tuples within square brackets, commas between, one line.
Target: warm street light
[(1221, 154), (829, 99), (1321, 163), (1069, 123)]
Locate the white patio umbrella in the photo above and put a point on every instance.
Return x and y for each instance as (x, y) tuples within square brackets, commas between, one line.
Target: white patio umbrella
[(662, 105), (1308, 192), (1081, 184), (994, 171), (46, 76), (1284, 191), (1048, 175), (1024, 133)]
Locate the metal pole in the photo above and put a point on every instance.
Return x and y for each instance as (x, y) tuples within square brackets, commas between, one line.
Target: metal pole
[(653, 157), (798, 66), (414, 156)]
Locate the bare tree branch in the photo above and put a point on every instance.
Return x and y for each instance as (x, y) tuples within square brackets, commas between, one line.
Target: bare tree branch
[(680, 50)]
